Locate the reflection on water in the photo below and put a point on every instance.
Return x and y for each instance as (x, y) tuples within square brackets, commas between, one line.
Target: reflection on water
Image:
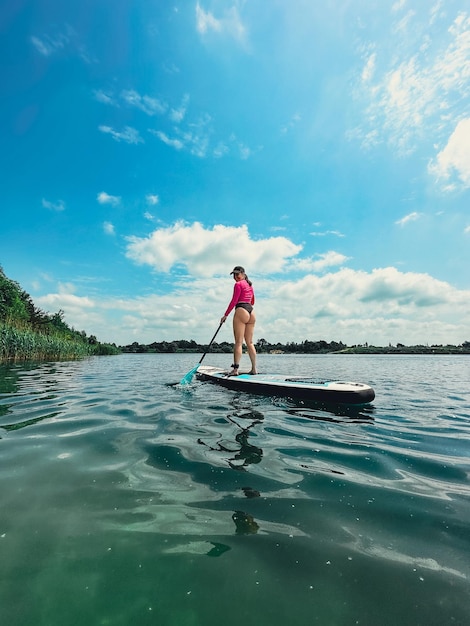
[(246, 453), (116, 488), (332, 413), (245, 523), (26, 422), (236, 452)]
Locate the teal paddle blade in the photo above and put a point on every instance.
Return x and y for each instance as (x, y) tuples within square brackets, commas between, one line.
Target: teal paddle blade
[(189, 376)]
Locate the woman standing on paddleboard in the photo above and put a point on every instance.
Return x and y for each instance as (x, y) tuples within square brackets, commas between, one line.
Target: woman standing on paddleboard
[(244, 318)]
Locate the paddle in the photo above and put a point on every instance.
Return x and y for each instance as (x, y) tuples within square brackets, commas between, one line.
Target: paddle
[(189, 376)]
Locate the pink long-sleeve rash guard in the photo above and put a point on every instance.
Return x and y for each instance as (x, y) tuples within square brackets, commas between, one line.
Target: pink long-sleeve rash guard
[(242, 292)]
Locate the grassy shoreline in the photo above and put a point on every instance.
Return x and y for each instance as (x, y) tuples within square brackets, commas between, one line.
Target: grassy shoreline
[(26, 345)]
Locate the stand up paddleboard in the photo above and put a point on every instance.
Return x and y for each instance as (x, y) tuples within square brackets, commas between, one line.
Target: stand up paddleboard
[(333, 391)]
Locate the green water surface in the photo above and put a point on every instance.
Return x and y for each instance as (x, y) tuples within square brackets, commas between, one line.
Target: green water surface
[(126, 501)]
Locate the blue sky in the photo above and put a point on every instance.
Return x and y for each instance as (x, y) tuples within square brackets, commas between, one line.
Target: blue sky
[(149, 146)]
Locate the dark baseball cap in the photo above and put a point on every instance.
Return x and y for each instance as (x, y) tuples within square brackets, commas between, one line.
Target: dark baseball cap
[(238, 269)]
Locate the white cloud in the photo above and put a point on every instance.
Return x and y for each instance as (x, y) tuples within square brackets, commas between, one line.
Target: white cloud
[(369, 68), (329, 259), (109, 228), (294, 120), (405, 289), (132, 98), (53, 206), (411, 217), (205, 21), (467, 230), (169, 141), (177, 115), (221, 150), (66, 301), (455, 157), (81, 312), (230, 24), (403, 23), (209, 252), (48, 45), (196, 142), (104, 97), (194, 138), (243, 151), (398, 5), (147, 104), (128, 135), (152, 199), (438, 9), (106, 198), (322, 262), (66, 288), (64, 40), (197, 135), (420, 89), (170, 68), (325, 233), (381, 306)]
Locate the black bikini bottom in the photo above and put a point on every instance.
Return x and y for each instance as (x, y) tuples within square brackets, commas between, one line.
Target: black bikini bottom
[(244, 305)]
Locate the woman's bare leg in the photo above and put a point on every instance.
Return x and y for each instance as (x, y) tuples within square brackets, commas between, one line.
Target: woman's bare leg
[(250, 346), (240, 319)]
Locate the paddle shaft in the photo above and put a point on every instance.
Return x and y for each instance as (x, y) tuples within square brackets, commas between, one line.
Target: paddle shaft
[(189, 376), (210, 343)]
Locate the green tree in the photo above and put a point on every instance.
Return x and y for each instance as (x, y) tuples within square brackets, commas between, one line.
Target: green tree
[(12, 307)]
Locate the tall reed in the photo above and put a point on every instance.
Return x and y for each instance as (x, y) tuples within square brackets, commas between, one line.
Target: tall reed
[(26, 345)]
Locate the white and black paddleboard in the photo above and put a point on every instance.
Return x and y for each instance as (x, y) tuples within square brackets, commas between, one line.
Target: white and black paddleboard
[(332, 391)]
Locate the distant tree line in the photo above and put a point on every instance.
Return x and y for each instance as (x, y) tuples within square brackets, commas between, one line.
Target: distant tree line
[(305, 347), (171, 347), (29, 333), (262, 346), (463, 348)]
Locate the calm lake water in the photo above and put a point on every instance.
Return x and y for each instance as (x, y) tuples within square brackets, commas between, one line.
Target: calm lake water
[(125, 501)]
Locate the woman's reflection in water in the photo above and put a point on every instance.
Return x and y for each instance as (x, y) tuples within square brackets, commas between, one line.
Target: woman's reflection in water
[(245, 523), (246, 454)]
